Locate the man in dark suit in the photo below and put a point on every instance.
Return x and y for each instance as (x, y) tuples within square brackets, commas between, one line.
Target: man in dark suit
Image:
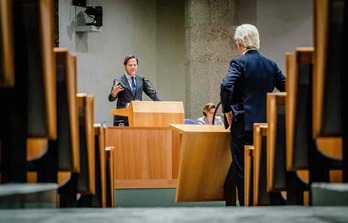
[(130, 87), (243, 91)]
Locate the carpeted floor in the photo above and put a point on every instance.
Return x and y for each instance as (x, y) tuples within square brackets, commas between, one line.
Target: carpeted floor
[(279, 214)]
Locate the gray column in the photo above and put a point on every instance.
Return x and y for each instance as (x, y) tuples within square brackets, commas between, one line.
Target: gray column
[(209, 47)]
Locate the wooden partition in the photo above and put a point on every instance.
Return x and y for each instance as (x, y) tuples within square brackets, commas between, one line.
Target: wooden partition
[(205, 159), (152, 113)]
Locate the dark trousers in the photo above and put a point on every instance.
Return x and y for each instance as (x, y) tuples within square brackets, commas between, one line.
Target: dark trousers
[(230, 186), (239, 138)]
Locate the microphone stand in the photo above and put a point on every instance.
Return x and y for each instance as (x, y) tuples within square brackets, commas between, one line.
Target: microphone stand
[(224, 121), (216, 108)]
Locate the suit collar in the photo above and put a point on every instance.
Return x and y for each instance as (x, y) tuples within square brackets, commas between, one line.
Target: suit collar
[(124, 82)]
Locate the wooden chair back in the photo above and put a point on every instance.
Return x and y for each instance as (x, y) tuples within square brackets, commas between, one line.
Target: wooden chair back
[(86, 175), (276, 144), (7, 75), (248, 175)]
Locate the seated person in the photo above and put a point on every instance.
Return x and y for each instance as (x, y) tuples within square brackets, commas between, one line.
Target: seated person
[(208, 112)]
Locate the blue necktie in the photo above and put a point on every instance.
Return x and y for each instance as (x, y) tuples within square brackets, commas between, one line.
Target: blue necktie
[(134, 87)]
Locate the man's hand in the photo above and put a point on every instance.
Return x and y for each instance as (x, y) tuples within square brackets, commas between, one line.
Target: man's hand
[(117, 88), (229, 117)]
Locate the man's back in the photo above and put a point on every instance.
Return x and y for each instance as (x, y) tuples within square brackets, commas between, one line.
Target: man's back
[(256, 77)]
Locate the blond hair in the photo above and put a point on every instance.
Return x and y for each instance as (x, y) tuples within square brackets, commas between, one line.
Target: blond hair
[(207, 107), (248, 36)]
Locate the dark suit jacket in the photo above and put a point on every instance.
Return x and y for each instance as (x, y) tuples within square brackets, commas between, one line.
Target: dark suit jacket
[(124, 97), (244, 89)]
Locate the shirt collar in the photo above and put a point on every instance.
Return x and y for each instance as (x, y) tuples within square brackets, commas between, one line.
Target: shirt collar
[(128, 77), (247, 51)]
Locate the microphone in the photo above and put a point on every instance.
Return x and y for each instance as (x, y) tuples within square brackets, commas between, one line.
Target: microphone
[(103, 124)]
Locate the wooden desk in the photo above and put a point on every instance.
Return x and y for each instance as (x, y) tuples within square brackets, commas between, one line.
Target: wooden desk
[(204, 159)]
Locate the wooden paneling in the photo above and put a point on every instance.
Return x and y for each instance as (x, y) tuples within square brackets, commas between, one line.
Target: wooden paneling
[(141, 154)]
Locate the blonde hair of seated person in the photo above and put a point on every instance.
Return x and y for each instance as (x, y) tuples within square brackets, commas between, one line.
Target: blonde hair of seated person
[(208, 113)]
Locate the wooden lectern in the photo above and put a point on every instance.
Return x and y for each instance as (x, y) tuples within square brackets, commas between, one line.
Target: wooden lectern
[(152, 113), (143, 155)]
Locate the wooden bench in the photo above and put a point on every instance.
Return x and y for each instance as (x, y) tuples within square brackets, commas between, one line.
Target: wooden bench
[(289, 183), (104, 188), (260, 194), (110, 187), (33, 59), (64, 155), (99, 199), (304, 151), (298, 107), (299, 68), (327, 95), (68, 143), (276, 146), (87, 175)]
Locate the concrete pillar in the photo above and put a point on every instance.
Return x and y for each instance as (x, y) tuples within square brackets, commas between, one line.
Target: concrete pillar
[(210, 26)]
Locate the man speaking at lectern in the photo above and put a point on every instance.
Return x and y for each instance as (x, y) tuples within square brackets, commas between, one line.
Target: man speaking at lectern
[(130, 87)]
